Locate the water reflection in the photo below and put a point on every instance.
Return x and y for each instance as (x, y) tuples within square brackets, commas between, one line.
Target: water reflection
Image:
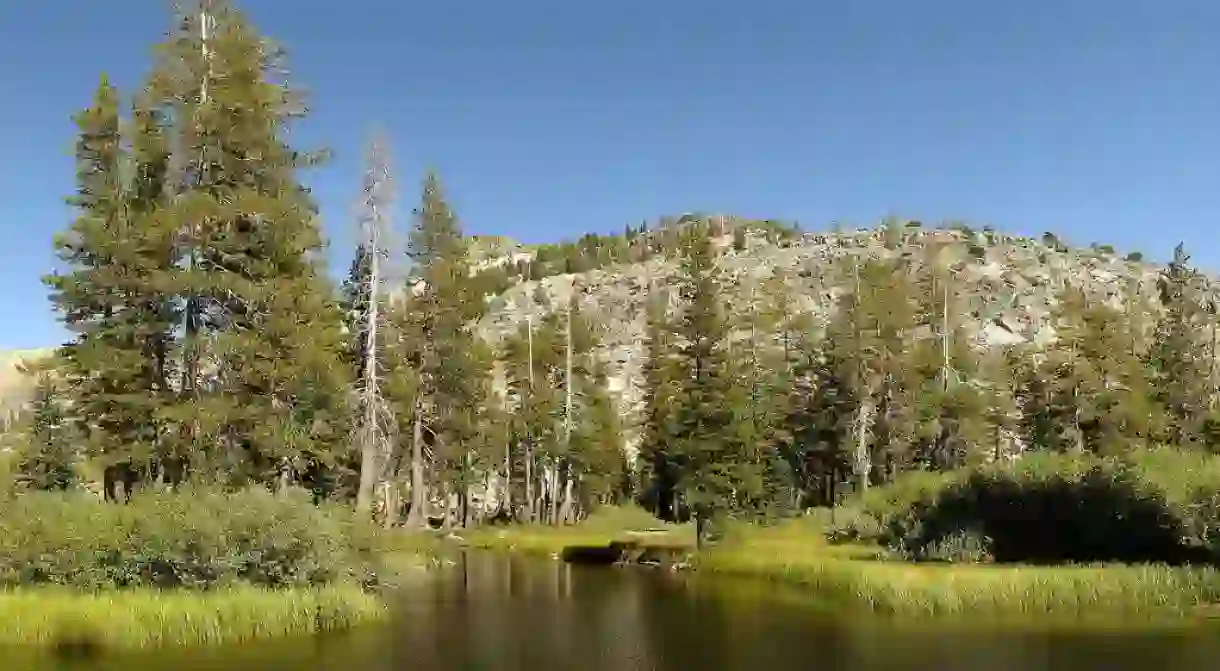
[(496, 614)]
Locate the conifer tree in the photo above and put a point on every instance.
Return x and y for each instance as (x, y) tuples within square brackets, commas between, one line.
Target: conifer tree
[(46, 455), (115, 366), (598, 453), (354, 302), (714, 470), (657, 430), (529, 366), (868, 339), (262, 375), (1180, 373), (437, 342)]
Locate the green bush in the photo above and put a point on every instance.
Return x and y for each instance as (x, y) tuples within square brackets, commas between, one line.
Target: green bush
[(192, 539), (853, 524), (963, 547), (1150, 506)]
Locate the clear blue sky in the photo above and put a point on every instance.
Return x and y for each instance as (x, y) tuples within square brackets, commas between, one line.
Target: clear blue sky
[(1098, 120)]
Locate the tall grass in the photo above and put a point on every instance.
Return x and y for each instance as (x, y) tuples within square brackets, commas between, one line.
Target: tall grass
[(856, 577), (188, 567), (142, 618)]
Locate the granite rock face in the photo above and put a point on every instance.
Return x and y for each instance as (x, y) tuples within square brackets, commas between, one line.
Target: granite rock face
[(1007, 287)]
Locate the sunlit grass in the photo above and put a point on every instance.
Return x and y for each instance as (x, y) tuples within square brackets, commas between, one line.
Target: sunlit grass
[(143, 618), (858, 577), (602, 527)]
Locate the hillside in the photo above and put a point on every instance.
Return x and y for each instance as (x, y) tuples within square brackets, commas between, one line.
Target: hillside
[(1007, 284), (15, 386)]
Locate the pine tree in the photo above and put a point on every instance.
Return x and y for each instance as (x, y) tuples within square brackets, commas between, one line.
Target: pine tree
[(355, 304), (714, 470), (46, 458), (660, 391), (598, 445), (1101, 376), (948, 399), (1002, 415), (529, 366), (262, 354), (436, 342), (1180, 374), (869, 337), (115, 365)]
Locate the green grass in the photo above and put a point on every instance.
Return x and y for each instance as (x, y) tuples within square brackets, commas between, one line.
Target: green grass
[(600, 528), (143, 618), (863, 577), (858, 577)]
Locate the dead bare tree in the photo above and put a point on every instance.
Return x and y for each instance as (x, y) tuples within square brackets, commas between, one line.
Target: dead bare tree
[(374, 220)]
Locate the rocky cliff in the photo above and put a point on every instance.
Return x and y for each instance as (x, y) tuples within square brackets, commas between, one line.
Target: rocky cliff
[(1008, 286)]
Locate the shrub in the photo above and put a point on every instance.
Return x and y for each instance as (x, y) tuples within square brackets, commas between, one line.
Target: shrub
[(193, 539), (1152, 506), (853, 524), (963, 547)]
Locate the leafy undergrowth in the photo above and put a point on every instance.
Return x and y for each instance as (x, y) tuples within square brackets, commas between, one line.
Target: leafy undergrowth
[(192, 539), (602, 527), (143, 618), (187, 567)]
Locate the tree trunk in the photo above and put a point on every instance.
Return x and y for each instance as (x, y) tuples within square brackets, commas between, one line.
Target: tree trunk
[(446, 508), (529, 483), (368, 481), (417, 518), (863, 458), (566, 508), (554, 494), (507, 498), (390, 496)]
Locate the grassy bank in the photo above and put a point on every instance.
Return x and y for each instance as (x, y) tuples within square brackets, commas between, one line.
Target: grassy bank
[(187, 567), (861, 578), (141, 618), (864, 577), (604, 526)]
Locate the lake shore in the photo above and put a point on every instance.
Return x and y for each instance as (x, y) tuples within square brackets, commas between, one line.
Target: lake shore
[(188, 567), (142, 618), (858, 577)]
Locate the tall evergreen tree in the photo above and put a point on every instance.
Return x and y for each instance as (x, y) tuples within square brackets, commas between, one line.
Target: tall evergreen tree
[(660, 391), (262, 375), (714, 469), (437, 342), (115, 366), (46, 457), (1177, 361)]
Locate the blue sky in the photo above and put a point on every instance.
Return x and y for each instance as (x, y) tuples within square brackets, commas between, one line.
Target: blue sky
[(1097, 120)]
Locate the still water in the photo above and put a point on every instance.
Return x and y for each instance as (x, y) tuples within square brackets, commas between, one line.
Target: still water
[(490, 613)]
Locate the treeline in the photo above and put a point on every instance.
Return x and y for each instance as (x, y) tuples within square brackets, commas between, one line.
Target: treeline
[(209, 347), (764, 410), (636, 244)]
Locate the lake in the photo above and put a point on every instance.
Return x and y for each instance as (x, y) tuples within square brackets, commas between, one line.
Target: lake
[(494, 613)]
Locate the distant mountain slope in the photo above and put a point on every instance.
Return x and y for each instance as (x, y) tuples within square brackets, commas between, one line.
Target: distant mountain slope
[(15, 386), (1008, 285)]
